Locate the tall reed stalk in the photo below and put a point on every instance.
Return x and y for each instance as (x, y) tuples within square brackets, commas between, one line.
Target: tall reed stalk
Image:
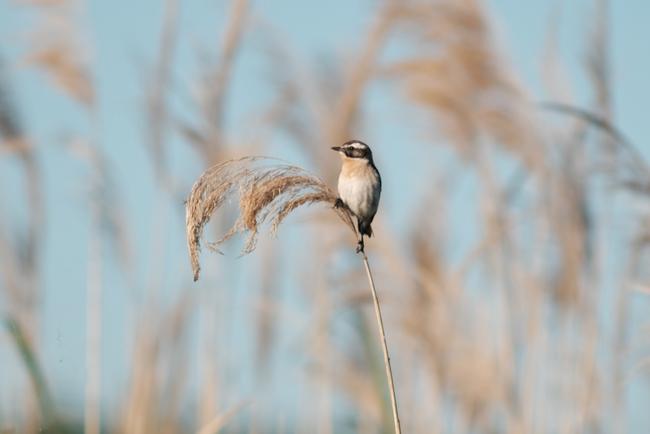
[(382, 336), (268, 192)]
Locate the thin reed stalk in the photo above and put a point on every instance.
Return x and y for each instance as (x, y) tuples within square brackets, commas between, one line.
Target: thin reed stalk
[(268, 192), (384, 345), (92, 402), (29, 357)]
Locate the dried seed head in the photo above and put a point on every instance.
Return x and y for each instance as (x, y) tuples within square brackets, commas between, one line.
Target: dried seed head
[(268, 193)]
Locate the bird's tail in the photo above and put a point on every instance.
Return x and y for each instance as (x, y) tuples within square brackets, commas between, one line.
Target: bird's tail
[(365, 228)]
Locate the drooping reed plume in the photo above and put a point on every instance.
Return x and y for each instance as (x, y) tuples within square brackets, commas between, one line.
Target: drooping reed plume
[(268, 192)]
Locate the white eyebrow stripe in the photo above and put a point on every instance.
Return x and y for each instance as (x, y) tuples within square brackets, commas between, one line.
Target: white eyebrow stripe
[(357, 145)]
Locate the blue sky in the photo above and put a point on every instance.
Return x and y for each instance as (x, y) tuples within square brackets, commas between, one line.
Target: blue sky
[(121, 38)]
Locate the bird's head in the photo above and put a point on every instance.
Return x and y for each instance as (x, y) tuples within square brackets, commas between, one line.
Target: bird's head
[(354, 149)]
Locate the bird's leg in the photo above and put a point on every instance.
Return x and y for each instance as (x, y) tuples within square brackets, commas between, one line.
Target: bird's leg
[(360, 245), (338, 203)]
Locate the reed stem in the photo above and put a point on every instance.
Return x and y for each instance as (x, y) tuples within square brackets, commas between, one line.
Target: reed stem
[(382, 335)]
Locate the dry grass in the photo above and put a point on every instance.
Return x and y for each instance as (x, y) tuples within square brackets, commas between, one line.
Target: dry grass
[(267, 194), (493, 309), (20, 251), (58, 52), (459, 75)]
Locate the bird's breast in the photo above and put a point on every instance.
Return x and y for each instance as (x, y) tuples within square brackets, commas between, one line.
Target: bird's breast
[(360, 190)]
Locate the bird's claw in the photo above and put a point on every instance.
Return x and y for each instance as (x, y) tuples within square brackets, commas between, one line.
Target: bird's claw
[(360, 247), (338, 203)]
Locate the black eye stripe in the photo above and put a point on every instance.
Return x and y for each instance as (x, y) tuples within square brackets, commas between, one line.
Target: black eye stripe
[(356, 153)]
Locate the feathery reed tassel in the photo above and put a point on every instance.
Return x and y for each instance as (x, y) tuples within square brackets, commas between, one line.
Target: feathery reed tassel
[(268, 193)]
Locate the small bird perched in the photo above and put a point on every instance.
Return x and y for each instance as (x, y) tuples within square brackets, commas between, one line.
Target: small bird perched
[(359, 185)]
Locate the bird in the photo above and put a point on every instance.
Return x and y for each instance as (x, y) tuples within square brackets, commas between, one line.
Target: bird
[(359, 186)]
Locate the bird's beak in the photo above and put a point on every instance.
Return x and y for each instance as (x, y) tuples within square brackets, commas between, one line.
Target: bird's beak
[(336, 148)]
